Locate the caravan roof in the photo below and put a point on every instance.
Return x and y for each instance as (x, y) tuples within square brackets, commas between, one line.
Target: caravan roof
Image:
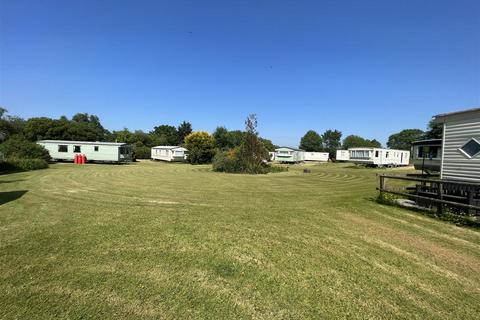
[(97, 143)]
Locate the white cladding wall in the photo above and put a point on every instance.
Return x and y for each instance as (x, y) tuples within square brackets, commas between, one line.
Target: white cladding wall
[(316, 156), (456, 165), (342, 155)]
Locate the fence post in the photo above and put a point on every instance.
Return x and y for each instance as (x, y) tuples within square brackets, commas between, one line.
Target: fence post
[(440, 197), (471, 193)]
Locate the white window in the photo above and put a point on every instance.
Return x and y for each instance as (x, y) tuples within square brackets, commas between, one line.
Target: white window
[(471, 148)]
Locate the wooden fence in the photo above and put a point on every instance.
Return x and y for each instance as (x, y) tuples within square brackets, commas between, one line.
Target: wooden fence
[(428, 192)]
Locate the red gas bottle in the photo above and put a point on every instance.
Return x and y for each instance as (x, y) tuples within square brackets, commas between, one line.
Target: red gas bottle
[(75, 158), (84, 159)]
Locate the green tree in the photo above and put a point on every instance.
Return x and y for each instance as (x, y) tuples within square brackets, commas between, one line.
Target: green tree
[(140, 141), (9, 125), (374, 143), (332, 141), (311, 142), (17, 147), (201, 147), (183, 130), (252, 152), (37, 128), (169, 133), (434, 130), (221, 137), (354, 141), (403, 139), (268, 144)]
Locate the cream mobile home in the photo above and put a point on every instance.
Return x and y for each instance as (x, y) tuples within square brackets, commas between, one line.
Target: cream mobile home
[(377, 157), (460, 145), (316, 156), (65, 150), (342, 155), (289, 155), (169, 153)]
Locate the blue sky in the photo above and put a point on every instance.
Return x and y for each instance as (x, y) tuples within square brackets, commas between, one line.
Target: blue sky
[(363, 67)]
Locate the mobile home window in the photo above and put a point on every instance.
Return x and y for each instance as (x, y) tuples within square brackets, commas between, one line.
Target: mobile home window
[(95, 148), (386, 154), (77, 149), (471, 148), (360, 154), (376, 154), (62, 148)]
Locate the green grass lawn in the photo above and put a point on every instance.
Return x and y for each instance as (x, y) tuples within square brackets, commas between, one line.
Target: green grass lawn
[(172, 241)]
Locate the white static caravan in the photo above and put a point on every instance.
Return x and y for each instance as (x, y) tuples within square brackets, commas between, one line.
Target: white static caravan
[(377, 157), (169, 153), (342, 155), (65, 150), (316, 156), (290, 155), (460, 145)]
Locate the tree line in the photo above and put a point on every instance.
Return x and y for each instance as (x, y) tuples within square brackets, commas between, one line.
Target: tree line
[(18, 137), (331, 140)]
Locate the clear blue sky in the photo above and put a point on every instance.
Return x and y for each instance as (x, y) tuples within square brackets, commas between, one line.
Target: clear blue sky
[(363, 67)]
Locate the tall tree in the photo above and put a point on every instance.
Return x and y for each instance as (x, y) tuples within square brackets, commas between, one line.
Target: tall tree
[(37, 128), (332, 141), (183, 130), (311, 142), (252, 150), (375, 143), (9, 125), (221, 135), (403, 139), (169, 133), (434, 130), (354, 141)]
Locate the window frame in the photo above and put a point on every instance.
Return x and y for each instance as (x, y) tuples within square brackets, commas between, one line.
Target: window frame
[(466, 154), (75, 148), (96, 148), (62, 145)]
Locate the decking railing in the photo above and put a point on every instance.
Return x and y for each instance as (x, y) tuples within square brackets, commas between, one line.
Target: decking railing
[(428, 192)]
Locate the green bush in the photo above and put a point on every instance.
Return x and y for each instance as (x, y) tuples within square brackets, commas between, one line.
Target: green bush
[(14, 164), (275, 169), (17, 147), (226, 161), (231, 162), (200, 147), (142, 152)]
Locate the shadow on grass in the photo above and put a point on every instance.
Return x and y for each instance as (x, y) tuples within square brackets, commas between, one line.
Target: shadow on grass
[(11, 181), (457, 219), (8, 196)]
